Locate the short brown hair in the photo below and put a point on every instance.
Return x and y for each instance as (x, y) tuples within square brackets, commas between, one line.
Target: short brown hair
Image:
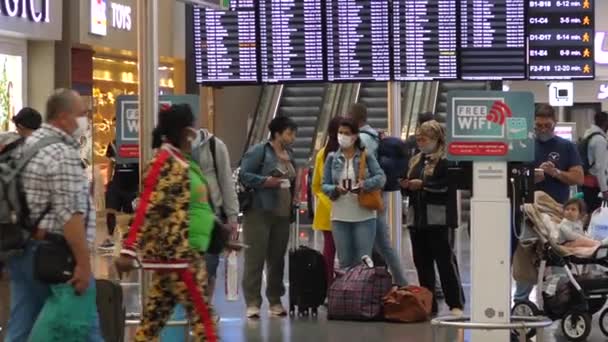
[(358, 112), (582, 207), (546, 111)]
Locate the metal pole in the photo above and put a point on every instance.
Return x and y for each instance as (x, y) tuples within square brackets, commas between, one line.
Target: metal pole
[(395, 202), (147, 51)]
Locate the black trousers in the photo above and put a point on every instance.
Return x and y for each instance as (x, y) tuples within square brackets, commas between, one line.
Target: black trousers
[(430, 246), (591, 198)]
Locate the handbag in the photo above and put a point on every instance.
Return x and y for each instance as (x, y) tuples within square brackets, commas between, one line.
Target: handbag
[(54, 262), (408, 304), (371, 200)]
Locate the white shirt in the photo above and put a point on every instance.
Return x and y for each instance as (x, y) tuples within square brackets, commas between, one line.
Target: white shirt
[(346, 208)]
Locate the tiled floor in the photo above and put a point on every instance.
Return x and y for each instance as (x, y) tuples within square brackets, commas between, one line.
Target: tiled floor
[(234, 327)]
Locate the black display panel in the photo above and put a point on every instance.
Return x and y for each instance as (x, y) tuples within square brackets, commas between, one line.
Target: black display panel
[(560, 35), (358, 40), (225, 46), (492, 39), (291, 40), (425, 39)]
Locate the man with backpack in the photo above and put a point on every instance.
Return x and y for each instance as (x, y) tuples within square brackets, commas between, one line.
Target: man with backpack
[(392, 157), (594, 156), (47, 192), (26, 121), (212, 156)]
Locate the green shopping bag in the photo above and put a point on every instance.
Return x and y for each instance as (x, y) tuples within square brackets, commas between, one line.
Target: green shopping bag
[(65, 317)]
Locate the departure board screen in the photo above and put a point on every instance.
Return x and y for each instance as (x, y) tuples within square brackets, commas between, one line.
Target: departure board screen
[(358, 40), (225, 46), (561, 39), (291, 40), (425, 39), (493, 39)]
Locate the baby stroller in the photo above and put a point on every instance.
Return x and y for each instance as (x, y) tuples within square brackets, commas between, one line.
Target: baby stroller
[(571, 294)]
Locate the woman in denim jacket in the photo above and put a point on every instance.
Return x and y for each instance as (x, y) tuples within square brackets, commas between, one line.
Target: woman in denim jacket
[(269, 169), (354, 227)]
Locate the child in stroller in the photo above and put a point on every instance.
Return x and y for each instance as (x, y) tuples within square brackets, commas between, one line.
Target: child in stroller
[(561, 244)]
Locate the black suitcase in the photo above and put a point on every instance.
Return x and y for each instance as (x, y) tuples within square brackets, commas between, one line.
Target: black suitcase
[(307, 278), (111, 310)]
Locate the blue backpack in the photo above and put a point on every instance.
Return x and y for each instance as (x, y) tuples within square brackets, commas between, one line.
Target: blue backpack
[(393, 157)]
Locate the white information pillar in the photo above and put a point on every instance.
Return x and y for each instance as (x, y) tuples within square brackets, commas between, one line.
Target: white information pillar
[(395, 212), (490, 250)]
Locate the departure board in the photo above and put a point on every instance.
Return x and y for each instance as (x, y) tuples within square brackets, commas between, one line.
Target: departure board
[(225, 46), (291, 40), (561, 39), (358, 40), (425, 39), (493, 39)]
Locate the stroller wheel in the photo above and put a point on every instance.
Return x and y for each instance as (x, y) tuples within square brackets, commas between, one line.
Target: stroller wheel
[(576, 326), (604, 322), (525, 308)]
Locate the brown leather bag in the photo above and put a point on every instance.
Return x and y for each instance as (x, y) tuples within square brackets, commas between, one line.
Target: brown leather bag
[(408, 304), (371, 200)]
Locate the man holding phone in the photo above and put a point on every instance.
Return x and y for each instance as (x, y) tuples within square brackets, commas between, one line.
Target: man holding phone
[(557, 167)]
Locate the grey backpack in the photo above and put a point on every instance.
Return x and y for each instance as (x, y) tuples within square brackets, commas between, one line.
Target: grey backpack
[(16, 226)]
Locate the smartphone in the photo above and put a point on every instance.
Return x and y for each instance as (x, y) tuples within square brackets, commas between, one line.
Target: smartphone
[(278, 173)]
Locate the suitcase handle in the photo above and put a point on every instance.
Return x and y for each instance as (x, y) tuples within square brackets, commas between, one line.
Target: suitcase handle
[(295, 228)]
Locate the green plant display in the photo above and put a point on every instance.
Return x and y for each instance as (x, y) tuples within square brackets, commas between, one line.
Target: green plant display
[(5, 101)]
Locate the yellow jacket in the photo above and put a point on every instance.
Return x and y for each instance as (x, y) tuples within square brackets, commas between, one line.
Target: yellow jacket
[(322, 220)]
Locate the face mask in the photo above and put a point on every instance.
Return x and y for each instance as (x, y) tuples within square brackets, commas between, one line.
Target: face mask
[(193, 135), (83, 124), (428, 149), (345, 141), (544, 137)]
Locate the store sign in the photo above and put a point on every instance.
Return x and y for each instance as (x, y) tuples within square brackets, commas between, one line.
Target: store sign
[(602, 93), (127, 122), (33, 10), (490, 126), (121, 17), (601, 48)]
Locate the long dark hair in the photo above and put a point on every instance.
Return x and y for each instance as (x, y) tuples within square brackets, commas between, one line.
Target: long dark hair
[(171, 123), (332, 136), (354, 129)]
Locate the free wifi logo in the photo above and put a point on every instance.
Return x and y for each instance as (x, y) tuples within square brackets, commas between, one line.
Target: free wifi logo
[(499, 112)]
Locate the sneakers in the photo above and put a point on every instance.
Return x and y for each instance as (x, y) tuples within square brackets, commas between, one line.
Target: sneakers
[(253, 312), (457, 312), (277, 310), (107, 245)]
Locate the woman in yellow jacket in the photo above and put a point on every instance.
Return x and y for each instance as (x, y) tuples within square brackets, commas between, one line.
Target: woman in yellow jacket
[(322, 219)]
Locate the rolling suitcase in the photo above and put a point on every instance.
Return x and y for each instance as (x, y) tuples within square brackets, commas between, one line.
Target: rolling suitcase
[(111, 310), (307, 277)]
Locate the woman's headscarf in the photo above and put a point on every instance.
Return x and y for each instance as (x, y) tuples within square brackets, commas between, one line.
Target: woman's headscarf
[(435, 132)]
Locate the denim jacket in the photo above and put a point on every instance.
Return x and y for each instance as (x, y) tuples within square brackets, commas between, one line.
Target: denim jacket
[(257, 165), (334, 165)]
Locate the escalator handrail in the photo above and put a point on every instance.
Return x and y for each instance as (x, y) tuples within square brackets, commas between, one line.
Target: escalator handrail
[(254, 119)]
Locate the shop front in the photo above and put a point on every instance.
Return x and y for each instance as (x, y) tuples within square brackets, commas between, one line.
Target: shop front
[(26, 27), (104, 65)]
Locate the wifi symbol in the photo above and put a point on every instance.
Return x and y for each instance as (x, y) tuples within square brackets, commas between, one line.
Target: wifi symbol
[(499, 112)]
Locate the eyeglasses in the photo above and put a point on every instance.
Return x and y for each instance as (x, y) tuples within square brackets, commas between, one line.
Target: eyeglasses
[(544, 126)]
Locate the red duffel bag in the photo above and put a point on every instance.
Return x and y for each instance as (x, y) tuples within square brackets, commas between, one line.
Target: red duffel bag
[(408, 304)]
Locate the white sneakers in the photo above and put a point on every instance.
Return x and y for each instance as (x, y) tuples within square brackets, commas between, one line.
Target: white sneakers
[(457, 312), (253, 312), (276, 310)]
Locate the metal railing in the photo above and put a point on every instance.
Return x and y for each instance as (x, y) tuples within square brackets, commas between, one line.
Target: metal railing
[(518, 323)]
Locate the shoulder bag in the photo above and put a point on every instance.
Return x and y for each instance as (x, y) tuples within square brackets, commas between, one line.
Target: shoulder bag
[(371, 200)]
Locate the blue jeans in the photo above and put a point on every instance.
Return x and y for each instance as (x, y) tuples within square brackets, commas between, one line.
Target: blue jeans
[(522, 291), (28, 296), (353, 240), (384, 247), (212, 261)]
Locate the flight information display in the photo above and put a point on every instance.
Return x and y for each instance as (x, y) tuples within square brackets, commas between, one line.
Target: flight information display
[(561, 39), (425, 39), (291, 40), (225, 46), (358, 40), (493, 39)]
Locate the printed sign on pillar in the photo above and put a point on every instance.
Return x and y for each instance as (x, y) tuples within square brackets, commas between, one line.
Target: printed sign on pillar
[(127, 122), (490, 126)]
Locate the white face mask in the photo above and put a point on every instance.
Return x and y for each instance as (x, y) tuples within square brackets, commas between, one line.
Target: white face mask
[(83, 125), (430, 148), (345, 141)]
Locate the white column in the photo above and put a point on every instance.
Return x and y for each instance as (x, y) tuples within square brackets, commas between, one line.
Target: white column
[(395, 201), (490, 250)]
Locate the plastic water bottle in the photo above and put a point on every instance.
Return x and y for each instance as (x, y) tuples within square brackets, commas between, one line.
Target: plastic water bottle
[(367, 261)]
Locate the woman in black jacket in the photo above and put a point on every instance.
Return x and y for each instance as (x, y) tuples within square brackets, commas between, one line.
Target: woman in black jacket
[(427, 187)]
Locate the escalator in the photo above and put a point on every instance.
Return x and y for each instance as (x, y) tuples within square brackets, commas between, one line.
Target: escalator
[(374, 95), (441, 104), (303, 103)]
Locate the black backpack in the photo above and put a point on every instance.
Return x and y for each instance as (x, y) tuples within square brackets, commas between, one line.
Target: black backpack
[(393, 157), (583, 151)]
